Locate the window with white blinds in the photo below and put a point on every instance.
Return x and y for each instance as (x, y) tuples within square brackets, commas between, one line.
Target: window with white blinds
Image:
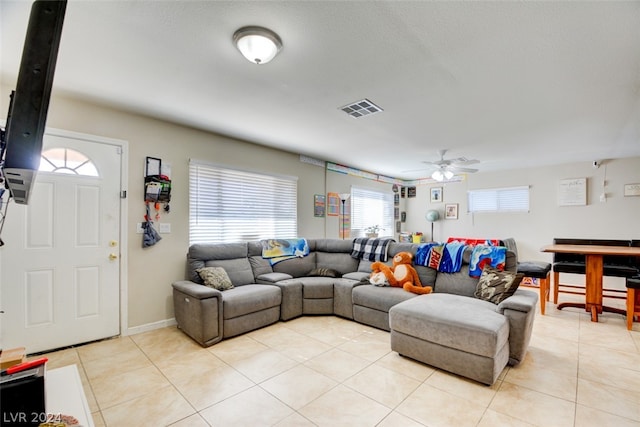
[(511, 199), (229, 205), (369, 208)]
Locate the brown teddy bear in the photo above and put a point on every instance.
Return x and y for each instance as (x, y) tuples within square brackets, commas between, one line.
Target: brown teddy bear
[(401, 274)]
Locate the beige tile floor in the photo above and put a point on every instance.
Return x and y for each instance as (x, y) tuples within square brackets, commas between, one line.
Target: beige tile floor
[(328, 371)]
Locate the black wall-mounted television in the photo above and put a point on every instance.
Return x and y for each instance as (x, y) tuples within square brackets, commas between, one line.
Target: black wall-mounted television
[(27, 116)]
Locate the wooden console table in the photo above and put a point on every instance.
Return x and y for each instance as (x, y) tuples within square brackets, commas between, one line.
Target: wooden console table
[(64, 395), (593, 267)]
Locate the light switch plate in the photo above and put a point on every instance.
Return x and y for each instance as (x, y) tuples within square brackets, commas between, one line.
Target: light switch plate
[(165, 227), (139, 229)]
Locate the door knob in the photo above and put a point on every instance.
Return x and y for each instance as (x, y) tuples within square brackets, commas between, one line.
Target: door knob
[(113, 256)]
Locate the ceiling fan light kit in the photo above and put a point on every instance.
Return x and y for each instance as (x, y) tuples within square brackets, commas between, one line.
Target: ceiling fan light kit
[(439, 175), (447, 168)]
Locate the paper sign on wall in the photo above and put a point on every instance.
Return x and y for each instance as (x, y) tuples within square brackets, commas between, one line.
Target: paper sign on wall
[(572, 192)]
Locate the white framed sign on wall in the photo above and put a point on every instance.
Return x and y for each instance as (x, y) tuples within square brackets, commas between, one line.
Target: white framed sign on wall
[(572, 192), (632, 190)]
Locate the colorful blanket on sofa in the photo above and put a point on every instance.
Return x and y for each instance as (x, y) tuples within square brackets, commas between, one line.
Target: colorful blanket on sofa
[(370, 249), (482, 255), (446, 258), (473, 242), (276, 250)]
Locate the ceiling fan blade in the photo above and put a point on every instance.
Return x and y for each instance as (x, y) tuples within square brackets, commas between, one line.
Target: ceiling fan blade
[(437, 163), (441, 153), (459, 169), (454, 165), (463, 161)]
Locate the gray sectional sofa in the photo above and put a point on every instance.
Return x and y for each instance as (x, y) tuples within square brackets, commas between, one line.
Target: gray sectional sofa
[(449, 328)]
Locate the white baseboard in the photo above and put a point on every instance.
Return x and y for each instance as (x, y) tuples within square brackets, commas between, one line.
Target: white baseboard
[(150, 327)]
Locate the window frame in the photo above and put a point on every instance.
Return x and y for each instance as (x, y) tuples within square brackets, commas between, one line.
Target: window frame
[(497, 200), (223, 208), (358, 225)]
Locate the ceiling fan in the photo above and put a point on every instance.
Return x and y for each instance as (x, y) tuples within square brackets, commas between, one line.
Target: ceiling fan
[(447, 168)]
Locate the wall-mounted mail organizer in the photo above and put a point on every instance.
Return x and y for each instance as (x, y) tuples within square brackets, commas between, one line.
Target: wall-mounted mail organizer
[(157, 186)]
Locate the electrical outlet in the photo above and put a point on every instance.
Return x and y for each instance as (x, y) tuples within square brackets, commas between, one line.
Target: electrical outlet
[(165, 227)]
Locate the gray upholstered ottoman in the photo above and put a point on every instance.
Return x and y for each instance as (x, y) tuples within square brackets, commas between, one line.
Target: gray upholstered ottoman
[(452, 332)]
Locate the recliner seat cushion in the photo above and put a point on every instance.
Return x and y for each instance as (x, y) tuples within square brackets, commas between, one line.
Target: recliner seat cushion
[(380, 298), (249, 299)]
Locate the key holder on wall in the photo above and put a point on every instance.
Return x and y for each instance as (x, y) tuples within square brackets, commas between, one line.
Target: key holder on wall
[(157, 187)]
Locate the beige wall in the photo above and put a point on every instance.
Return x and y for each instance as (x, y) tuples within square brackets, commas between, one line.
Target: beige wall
[(617, 218), (151, 271)]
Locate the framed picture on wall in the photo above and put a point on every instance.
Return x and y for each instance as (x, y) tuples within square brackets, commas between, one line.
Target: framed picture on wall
[(451, 211), (333, 204), (436, 195), (319, 203)]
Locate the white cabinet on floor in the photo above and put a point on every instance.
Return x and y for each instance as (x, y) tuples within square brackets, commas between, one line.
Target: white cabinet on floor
[(64, 395)]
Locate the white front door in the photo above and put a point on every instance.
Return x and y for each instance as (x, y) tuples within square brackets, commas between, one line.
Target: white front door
[(60, 266)]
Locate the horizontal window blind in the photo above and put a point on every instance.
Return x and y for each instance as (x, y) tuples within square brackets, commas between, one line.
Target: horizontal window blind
[(511, 199), (229, 205), (369, 208)]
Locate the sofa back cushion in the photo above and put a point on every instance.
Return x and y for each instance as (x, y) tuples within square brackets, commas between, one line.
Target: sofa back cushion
[(297, 267), (341, 262), (460, 283), (331, 245), (230, 256), (427, 275), (335, 254), (259, 265)]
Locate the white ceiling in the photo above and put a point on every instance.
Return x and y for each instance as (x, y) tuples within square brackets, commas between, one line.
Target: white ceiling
[(513, 84)]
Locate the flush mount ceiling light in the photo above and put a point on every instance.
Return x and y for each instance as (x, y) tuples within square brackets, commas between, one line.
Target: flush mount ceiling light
[(259, 45)]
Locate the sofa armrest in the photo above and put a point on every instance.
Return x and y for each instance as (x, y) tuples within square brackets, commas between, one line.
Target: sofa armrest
[(195, 290), (520, 310), (269, 278), (291, 306), (521, 300), (198, 311)]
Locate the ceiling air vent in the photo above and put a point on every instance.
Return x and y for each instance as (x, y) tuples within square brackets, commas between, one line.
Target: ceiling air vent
[(361, 108)]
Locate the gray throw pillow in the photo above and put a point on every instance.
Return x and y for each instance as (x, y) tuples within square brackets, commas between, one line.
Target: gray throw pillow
[(495, 285), (215, 277)]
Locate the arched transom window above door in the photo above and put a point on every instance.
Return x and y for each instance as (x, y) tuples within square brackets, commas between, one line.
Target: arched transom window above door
[(67, 161)]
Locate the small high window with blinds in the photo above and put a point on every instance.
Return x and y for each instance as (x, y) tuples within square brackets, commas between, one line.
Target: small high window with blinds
[(509, 199), (369, 208), (230, 205)]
